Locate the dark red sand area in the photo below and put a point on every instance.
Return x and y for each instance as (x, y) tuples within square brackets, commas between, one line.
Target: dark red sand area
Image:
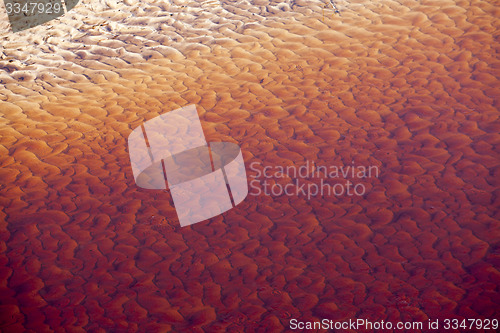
[(411, 87)]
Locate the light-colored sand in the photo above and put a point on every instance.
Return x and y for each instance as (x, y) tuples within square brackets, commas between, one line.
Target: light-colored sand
[(409, 86)]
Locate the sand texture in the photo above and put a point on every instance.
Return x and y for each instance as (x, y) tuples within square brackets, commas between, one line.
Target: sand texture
[(409, 86)]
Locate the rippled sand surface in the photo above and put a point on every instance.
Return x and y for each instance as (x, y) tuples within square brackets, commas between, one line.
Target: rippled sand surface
[(409, 86)]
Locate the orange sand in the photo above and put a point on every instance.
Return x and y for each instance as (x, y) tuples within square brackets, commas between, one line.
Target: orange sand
[(409, 86)]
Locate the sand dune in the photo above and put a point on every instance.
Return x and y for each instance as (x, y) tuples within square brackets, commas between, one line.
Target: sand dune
[(408, 86)]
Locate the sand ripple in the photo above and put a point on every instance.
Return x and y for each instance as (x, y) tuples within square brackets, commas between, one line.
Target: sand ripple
[(409, 86)]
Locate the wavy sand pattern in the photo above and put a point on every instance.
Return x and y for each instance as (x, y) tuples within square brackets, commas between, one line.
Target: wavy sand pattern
[(409, 86)]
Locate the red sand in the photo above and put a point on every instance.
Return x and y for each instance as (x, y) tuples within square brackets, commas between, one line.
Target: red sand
[(411, 87)]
